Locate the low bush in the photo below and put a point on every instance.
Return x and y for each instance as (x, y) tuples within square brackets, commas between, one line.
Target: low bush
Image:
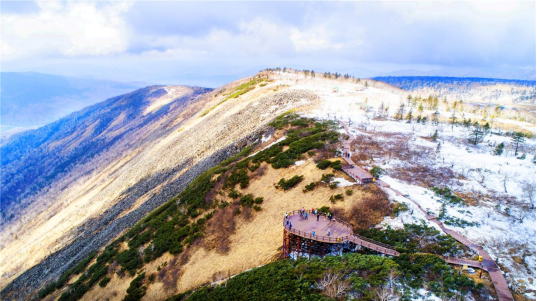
[(288, 184), (348, 192), (136, 289), (239, 176), (247, 200), (324, 164), (234, 194), (376, 172), (310, 187), (104, 281), (446, 195), (398, 208), (327, 178)]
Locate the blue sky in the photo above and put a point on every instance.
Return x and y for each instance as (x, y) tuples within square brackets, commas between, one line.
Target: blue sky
[(210, 43)]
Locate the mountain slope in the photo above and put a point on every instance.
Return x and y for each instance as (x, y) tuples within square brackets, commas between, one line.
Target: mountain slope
[(113, 189), (32, 99), (83, 210)]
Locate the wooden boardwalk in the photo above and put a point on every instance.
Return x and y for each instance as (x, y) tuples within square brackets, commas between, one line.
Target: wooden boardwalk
[(340, 231), (489, 265)]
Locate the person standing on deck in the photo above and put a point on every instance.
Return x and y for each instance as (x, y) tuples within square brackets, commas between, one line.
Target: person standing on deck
[(318, 216)]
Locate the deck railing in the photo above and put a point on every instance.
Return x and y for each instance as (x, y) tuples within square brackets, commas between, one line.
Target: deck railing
[(331, 239)]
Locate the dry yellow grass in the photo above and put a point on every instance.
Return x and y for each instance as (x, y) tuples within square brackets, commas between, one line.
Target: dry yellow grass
[(256, 242)]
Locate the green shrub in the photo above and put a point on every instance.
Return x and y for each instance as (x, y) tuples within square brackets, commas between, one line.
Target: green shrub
[(258, 200), (324, 164), (104, 281), (398, 208), (446, 195), (234, 194), (247, 200), (333, 185), (257, 208), (324, 209), (327, 178), (376, 172), (336, 165), (348, 192), (239, 176), (288, 184), (310, 187), (136, 289), (130, 260), (254, 167), (336, 197)]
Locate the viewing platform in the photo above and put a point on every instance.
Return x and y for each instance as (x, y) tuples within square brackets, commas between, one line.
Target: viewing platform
[(315, 231)]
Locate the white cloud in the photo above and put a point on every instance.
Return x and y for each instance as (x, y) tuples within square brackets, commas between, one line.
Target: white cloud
[(65, 29)]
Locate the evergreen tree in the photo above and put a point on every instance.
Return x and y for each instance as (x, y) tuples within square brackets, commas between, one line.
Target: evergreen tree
[(435, 117), (498, 151), (498, 111), (438, 146), (418, 120), (409, 98), (424, 120), (420, 108), (401, 112), (409, 116), (477, 134), (453, 120), (366, 84), (435, 103), (435, 135), (518, 138)]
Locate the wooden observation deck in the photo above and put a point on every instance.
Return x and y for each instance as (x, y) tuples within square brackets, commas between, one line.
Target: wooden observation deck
[(317, 231)]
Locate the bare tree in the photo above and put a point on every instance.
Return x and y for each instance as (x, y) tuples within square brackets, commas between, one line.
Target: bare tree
[(393, 274), (520, 215), (333, 284), (385, 294), (480, 172), (528, 188), (505, 175)]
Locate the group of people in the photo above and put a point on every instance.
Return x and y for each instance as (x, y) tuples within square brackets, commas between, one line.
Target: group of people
[(347, 154), (305, 214)]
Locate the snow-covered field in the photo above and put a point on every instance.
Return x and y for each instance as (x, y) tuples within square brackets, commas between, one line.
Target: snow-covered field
[(499, 191)]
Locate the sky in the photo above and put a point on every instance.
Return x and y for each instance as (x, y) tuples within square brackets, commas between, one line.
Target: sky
[(211, 43)]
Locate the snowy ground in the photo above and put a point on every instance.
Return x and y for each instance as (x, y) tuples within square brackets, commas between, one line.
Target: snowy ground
[(501, 187), (499, 191)]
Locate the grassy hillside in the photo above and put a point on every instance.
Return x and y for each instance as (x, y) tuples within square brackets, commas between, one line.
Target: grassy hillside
[(160, 254)]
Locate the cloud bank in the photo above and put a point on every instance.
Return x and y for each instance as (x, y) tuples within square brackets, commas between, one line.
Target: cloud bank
[(171, 41)]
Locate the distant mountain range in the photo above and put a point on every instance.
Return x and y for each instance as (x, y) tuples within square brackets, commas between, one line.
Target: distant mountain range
[(32, 99)]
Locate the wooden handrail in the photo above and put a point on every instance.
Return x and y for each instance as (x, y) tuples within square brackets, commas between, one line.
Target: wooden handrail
[(358, 239)]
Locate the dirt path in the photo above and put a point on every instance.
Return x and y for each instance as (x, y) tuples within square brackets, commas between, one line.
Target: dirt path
[(489, 265)]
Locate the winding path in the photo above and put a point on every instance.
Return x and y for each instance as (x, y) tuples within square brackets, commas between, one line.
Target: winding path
[(489, 265)]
